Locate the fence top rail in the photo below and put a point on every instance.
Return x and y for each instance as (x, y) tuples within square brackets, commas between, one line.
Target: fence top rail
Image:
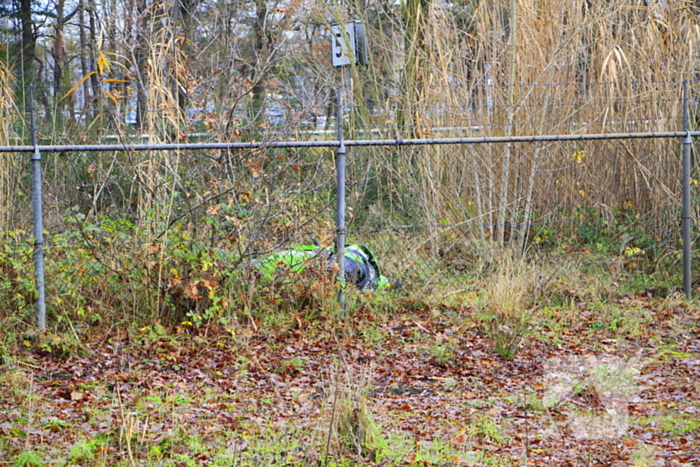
[(336, 143)]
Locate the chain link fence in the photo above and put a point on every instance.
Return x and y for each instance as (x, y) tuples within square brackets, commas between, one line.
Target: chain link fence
[(177, 201)]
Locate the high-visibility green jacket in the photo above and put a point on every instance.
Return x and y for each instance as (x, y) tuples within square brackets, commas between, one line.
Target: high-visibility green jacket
[(359, 265)]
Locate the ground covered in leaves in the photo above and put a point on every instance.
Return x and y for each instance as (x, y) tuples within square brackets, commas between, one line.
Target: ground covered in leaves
[(615, 386)]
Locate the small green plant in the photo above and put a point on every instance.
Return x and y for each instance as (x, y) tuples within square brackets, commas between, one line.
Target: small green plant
[(85, 451), (631, 322), (643, 456), (28, 459), (55, 425), (61, 346), (483, 428), (445, 352), (373, 335), (291, 366), (531, 403)]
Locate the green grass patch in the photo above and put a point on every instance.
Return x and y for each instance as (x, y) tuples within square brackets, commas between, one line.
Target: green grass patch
[(677, 425)]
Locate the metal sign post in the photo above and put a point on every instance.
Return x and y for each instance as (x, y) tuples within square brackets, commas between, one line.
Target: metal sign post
[(686, 217), (340, 201), (349, 45), (38, 221)]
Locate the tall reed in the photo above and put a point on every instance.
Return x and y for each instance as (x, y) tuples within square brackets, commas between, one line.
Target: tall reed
[(8, 161), (437, 69), (580, 67)]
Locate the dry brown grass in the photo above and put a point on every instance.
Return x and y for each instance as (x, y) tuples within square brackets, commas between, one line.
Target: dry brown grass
[(8, 164), (509, 293), (352, 428), (159, 170), (591, 67), (461, 70)]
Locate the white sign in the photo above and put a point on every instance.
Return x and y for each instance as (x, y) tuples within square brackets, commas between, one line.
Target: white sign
[(343, 53)]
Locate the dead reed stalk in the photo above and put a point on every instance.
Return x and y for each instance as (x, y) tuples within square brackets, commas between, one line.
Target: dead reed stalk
[(8, 163)]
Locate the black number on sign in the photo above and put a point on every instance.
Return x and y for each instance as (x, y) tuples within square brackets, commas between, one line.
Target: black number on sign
[(338, 45)]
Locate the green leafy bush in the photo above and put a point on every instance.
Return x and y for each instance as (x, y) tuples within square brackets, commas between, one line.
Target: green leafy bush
[(17, 287), (106, 271)]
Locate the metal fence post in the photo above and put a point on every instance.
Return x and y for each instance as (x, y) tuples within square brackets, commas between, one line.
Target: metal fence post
[(38, 220), (687, 246), (340, 201)]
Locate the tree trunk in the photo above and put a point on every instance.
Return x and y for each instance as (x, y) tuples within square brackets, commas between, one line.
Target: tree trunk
[(59, 49), (27, 49), (261, 49), (185, 9), (505, 169), (94, 79), (141, 58), (84, 53), (60, 75)]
